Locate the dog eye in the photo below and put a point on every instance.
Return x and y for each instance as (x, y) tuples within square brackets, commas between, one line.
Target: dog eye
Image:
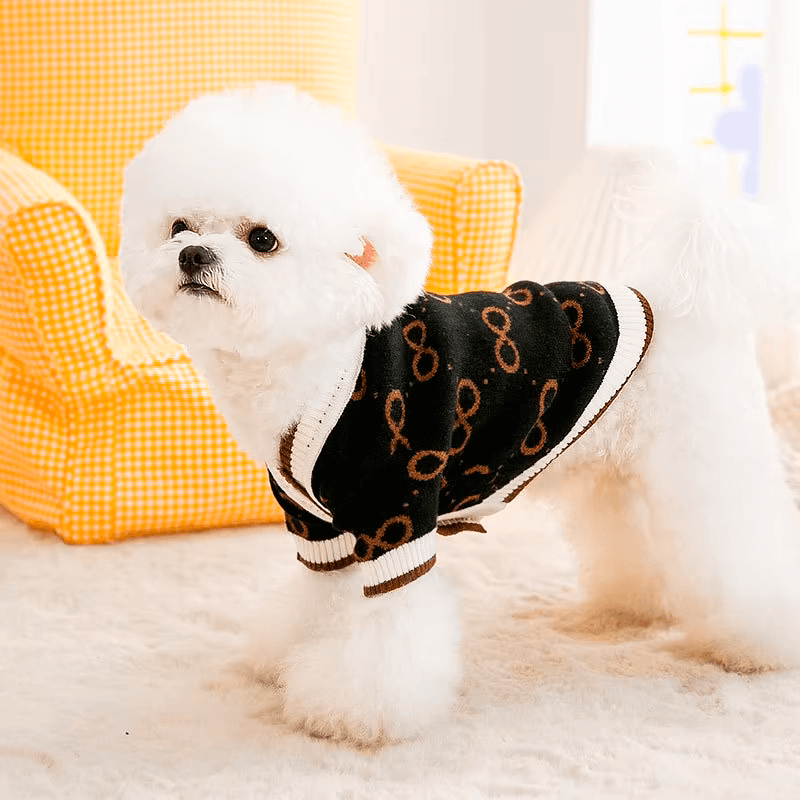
[(178, 227), (262, 240)]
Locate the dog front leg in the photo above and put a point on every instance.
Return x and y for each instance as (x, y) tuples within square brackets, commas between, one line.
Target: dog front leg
[(382, 669), (294, 611)]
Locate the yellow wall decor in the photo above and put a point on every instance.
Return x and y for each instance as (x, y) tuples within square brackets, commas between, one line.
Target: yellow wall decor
[(733, 131)]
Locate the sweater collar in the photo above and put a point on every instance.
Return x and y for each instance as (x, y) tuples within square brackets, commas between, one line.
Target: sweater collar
[(296, 450)]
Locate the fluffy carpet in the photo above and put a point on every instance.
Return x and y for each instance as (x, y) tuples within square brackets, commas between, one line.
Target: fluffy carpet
[(120, 677)]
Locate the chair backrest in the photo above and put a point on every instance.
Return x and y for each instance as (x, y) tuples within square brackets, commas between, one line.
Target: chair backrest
[(84, 84)]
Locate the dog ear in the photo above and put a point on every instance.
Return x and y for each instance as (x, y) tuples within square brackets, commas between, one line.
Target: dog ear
[(367, 257), (401, 250)]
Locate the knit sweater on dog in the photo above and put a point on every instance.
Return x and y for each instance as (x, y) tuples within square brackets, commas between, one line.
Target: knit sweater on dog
[(444, 415)]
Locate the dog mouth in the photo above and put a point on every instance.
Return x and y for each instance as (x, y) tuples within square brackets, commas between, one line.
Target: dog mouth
[(197, 289)]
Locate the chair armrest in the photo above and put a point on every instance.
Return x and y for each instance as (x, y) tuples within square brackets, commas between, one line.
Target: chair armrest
[(60, 309), (473, 209)]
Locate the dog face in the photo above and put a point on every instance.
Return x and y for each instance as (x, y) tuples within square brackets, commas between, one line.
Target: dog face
[(260, 222)]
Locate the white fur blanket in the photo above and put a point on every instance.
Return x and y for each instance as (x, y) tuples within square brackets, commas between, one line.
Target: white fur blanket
[(120, 678)]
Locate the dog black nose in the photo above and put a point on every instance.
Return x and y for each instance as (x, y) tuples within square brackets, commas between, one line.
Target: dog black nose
[(194, 257)]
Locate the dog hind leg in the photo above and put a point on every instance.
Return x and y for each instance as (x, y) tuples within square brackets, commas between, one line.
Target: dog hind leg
[(606, 523), (725, 526)]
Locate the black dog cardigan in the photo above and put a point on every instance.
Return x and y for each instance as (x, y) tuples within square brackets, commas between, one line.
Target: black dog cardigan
[(445, 415)]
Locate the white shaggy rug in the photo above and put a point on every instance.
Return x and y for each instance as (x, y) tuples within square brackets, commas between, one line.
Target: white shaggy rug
[(119, 678)]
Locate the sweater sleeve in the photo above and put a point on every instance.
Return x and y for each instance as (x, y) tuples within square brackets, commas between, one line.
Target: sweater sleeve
[(394, 539), (381, 469), (415, 433), (320, 546)]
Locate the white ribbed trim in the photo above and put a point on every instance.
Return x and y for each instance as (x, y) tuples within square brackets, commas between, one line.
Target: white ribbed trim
[(491, 505), (318, 420), (628, 354), (400, 561), (313, 429), (326, 552), (298, 498)]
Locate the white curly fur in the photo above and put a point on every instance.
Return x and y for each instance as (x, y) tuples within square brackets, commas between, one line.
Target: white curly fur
[(675, 500)]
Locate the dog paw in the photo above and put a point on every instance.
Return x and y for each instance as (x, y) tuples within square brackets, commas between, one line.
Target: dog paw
[(340, 717), (610, 622), (366, 704), (726, 652)]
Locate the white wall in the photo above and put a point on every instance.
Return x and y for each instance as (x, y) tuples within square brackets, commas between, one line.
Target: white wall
[(781, 122), (482, 78), (537, 89), (636, 50), (423, 73)]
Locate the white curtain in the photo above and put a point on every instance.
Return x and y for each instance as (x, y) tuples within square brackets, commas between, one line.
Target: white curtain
[(780, 161)]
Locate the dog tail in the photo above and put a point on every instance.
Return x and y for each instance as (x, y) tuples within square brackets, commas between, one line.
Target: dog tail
[(714, 257)]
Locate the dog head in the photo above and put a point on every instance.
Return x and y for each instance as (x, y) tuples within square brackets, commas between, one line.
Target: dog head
[(260, 221)]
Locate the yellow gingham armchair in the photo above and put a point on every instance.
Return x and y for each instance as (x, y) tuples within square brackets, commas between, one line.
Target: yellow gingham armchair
[(107, 430)]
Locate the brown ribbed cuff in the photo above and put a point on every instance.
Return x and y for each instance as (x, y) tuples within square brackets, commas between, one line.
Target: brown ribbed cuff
[(400, 580), (327, 566), (458, 525)]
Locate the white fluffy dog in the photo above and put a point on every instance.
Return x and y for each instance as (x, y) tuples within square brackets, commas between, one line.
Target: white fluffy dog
[(264, 232)]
